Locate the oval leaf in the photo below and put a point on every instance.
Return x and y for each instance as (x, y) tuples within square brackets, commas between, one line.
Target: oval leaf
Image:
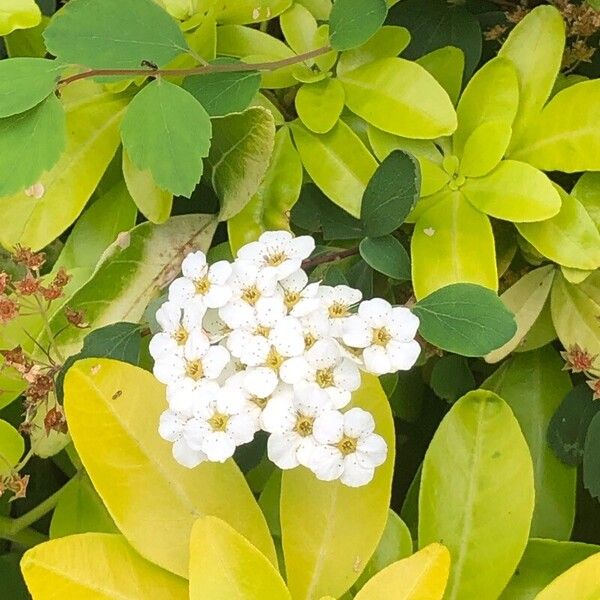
[(581, 581), (12, 447), (18, 14), (353, 22), (319, 105), (386, 255)]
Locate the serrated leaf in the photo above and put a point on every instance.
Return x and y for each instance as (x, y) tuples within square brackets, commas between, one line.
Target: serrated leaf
[(353, 22), (12, 446), (106, 399), (391, 194), (386, 255), (96, 566), (466, 319), (25, 82), (18, 14), (239, 157), (319, 105), (114, 34), (461, 504), (30, 144), (173, 148)]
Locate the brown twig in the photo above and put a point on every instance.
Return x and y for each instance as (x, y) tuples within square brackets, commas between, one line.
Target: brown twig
[(310, 263)]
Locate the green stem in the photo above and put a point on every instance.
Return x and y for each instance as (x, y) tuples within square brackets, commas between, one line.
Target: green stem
[(48, 329), (25, 537)]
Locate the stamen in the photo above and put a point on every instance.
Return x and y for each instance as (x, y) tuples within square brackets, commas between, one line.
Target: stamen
[(194, 369), (347, 445), (304, 425), (202, 285), (324, 377), (251, 295), (218, 422), (381, 336)]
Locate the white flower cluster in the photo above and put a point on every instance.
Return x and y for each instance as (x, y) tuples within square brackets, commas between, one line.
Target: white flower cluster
[(252, 345)]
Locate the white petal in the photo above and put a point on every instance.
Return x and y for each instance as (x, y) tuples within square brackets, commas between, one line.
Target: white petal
[(358, 423), (281, 450), (338, 398), (170, 425), (241, 428), (275, 238), (237, 313), (303, 246), (323, 354), (237, 341), (260, 381), (193, 313), (294, 370), (168, 316), (328, 428), (354, 474), (219, 272), (374, 448), (376, 360), (305, 306), (194, 265), (347, 295), (218, 446), (194, 432), (310, 399), (181, 291), (376, 312), (287, 337), (403, 325), (279, 415), (163, 343), (196, 346), (181, 397), (346, 375), (169, 368), (403, 356), (356, 333), (252, 252), (187, 457), (214, 361), (231, 400), (270, 311), (217, 296), (295, 282), (305, 450), (327, 463)]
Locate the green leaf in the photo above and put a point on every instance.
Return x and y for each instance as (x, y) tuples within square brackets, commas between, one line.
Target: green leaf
[(477, 486), (570, 238), (391, 194), (279, 190), (353, 22), (559, 126), (389, 41), (378, 93), (224, 564), (386, 255), (580, 581), (447, 65), (173, 148), (319, 105), (535, 47), (93, 116), (25, 82), (526, 300), (491, 95), (323, 554), (541, 333), (465, 319), (80, 510), (223, 93), (299, 29), (534, 384), (96, 565), (479, 155), (156, 489), (451, 377), (114, 34), (435, 24), (132, 271), (514, 191), (338, 162), (12, 447), (461, 240), (27, 42), (239, 157), (250, 11), (587, 191), (13, 585), (30, 144), (542, 561), (591, 458), (18, 14), (155, 204)]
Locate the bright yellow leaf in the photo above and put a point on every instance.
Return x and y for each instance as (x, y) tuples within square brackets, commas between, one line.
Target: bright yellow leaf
[(18, 14), (580, 582)]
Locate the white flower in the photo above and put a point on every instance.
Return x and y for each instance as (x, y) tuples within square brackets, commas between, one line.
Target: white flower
[(201, 281), (249, 287), (348, 449), (199, 360), (315, 326), (172, 427), (278, 253), (338, 300), (179, 326), (387, 335), (222, 423), (289, 418), (323, 372), (300, 297)]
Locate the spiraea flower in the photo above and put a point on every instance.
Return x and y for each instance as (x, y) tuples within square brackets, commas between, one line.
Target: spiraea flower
[(252, 345)]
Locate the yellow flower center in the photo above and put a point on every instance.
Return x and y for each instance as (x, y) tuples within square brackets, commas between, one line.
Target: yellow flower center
[(262, 330), (381, 336), (218, 422), (181, 336), (309, 340), (251, 295), (338, 310), (290, 299), (324, 377), (194, 369), (274, 360), (304, 425), (347, 445), (260, 402), (202, 285), (276, 259)]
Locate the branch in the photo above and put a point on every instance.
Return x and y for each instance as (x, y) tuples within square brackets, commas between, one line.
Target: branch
[(200, 70), (309, 263)]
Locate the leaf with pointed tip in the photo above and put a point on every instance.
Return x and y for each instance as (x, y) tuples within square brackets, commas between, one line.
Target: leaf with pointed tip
[(353, 22)]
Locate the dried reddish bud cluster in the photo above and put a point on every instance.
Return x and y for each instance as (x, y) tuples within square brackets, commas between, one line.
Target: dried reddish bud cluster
[(579, 360), (14, 483)]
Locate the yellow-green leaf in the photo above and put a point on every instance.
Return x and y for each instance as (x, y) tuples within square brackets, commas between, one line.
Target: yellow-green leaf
[(250, 11), (299, 28), (566, 135), (338, 162), (570, 238), (378, 92), (514, 191), (525, 299), (18, 14), (421, 576), (224, 565), (269, 207), (319, 105), (447, 65), (330, 530), (581, 581), (452, 243), (93, 120), (484, 148), (535, 47), (12, 446), (477, 486), (96, 566), (155, 204), (587, 191), (135, 474)]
